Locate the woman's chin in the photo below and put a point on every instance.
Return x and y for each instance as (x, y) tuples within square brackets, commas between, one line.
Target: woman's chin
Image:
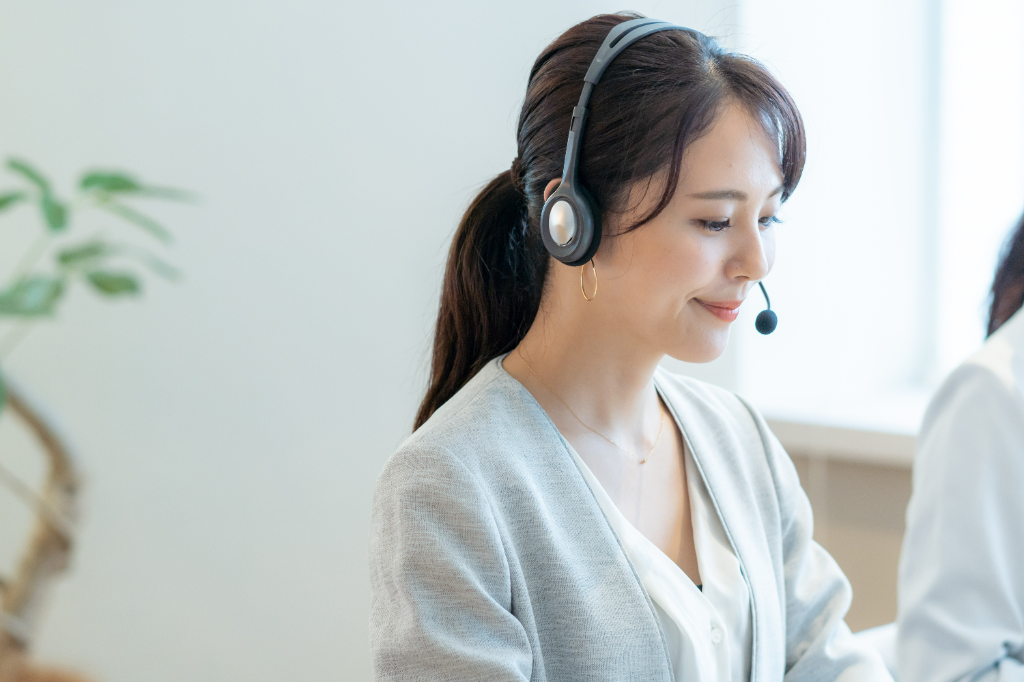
[(708, 348)]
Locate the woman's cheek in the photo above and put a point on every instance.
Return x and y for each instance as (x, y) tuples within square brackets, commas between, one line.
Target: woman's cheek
[(769, 248), (697, 261)]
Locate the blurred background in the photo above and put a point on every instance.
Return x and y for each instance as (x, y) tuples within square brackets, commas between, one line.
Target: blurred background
[(229, 427)]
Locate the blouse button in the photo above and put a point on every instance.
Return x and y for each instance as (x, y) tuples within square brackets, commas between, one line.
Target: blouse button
[(716, 635)]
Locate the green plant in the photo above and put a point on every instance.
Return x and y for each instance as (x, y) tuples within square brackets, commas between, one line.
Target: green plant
[(33, 291)]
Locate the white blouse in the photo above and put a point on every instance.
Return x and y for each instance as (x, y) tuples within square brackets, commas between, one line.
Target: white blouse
[(961, 575), (708, 632)]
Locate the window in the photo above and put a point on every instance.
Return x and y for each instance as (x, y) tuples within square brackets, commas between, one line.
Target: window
[(915, 174)]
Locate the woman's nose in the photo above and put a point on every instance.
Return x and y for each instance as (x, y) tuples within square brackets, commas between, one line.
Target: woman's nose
[(750, 258)]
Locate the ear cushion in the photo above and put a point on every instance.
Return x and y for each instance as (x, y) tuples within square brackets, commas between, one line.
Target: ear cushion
[(582, 247), (589, 250)]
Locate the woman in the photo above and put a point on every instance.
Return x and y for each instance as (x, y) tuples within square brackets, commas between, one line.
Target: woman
[(565, 510), (961, 581)]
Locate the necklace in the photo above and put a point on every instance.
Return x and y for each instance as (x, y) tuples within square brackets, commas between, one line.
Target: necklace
[(661, 426)]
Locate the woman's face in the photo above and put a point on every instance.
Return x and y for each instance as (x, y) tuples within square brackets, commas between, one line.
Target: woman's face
[(677, 282)]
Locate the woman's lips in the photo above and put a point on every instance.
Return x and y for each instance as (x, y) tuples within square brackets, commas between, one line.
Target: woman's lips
[(727, 311)]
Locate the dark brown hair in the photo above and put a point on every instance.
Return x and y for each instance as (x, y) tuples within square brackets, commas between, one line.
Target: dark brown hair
[(657, 97), (1008, 286)]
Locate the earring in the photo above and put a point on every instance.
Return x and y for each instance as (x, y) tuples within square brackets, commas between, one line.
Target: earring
[(582, 269)]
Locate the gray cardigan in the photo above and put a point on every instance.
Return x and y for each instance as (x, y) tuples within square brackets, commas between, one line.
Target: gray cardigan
[(490, 558)]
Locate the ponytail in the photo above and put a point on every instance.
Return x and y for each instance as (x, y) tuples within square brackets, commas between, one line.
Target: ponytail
[(491, 290)]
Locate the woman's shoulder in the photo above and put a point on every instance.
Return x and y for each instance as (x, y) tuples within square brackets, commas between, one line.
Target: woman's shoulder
[(986, 387), (490, 423), (978, 412), (1001, 358), (491, 405)]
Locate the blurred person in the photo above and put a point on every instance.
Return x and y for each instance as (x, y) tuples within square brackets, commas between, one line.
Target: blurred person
[(961, 576), (565, 509)]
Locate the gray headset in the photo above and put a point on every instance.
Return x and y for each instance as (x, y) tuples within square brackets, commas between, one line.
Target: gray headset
[(570, 222)]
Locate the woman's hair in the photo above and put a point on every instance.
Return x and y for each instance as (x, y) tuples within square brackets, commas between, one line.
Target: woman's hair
[(657, 97), (1008, 287)]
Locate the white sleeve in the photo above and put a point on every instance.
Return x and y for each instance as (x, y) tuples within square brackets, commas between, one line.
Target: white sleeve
[(961, 577)]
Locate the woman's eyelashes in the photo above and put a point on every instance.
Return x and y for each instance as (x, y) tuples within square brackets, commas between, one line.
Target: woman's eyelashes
[(714, 225), (719, 225)]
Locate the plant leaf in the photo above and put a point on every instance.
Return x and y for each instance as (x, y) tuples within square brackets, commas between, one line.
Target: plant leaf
[(139, 219), (3, 393), (168, 193), (160, 267), (82, 253), (109, 182), (31, 297), (55, 213), (88, 253), (114, 283), (113, 182), (25, 170), (11, 198)]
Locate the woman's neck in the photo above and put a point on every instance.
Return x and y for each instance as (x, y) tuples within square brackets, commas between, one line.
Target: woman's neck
[(603, 379)]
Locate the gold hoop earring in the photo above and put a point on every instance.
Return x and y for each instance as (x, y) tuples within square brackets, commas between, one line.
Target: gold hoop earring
[(582, 269)]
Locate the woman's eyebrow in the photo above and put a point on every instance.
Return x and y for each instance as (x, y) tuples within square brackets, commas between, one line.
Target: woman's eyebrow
[(735, 194)]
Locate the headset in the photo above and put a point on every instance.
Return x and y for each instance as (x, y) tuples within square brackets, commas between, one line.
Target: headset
[(570, 222)]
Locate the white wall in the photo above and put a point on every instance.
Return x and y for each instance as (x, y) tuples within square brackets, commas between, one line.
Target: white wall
[(231, 427)]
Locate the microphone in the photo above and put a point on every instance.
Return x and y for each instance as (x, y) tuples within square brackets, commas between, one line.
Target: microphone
[(767, 320)]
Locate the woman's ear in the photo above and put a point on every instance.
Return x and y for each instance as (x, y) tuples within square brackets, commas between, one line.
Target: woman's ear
[(551, 187)]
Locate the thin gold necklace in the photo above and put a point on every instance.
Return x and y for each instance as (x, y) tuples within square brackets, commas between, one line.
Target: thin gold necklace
[(661, 426)]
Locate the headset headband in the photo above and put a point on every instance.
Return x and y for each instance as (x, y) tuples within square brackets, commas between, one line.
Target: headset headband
[(617, 40), (570, 221)]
